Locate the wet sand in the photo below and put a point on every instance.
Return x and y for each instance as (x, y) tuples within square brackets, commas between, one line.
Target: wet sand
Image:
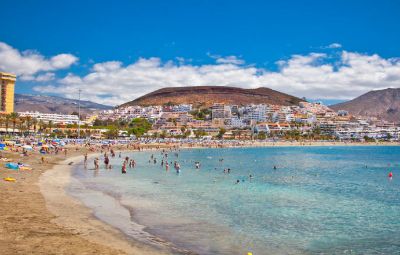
[(53, 223), (37, 217)]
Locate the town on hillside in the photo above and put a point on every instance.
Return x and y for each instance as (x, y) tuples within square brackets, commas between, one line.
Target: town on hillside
[(303, 121), (255, 121)]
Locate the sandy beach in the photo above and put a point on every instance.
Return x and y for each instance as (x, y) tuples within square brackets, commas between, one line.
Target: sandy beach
[(54, 223), (38, 217)]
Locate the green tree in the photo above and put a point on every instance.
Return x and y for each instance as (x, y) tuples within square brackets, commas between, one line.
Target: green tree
[(199, 133), (28, 121), (221, 133), (139, 126), (8, 118), (111, 133), (262, 135), (14, 118), (163, 134), (50, 126)]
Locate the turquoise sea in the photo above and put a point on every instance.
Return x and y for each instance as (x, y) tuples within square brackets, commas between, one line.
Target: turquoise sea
[(318, 200)]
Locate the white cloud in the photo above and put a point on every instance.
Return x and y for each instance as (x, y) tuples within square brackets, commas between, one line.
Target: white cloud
[(45, 77), (29, 63), (315, 75), (334, 46), (229, 60)]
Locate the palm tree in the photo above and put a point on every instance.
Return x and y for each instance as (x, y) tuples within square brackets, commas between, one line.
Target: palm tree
[(28, 120), (34, 123), (2, 120), (8, 117), (14, 118), (50, 125), (41, 125), (21, 125)]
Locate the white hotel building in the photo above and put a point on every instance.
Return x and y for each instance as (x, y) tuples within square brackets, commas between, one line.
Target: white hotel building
[(55, 118)]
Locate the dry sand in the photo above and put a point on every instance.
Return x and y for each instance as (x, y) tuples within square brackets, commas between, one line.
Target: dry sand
[(28, 226), (32, 222)]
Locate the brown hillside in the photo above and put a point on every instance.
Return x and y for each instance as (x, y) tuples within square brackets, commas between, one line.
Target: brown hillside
[(205, 96), (384, 104)]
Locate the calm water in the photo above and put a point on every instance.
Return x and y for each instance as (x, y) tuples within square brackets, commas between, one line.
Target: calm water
[(319, 200)]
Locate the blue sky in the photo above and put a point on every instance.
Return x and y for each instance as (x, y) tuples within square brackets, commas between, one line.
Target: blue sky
[(236, 40)]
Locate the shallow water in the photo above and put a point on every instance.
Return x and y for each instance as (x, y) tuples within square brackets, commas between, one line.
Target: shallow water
[(319, 200)]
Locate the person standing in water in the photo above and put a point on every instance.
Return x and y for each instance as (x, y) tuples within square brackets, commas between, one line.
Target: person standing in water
[(96, 163), (123, 169), (106, 161)]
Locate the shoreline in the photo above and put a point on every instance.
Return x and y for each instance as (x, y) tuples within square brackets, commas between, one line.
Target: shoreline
[(250, 144), (74, 214), (30, 224), (26, 225)]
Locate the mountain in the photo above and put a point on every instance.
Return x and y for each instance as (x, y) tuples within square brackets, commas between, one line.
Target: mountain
[(384, 104), (54, 104), (205, 96)]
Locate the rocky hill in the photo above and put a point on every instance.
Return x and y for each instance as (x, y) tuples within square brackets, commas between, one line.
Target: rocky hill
[(384, 104), (205, 96), (53, 104)]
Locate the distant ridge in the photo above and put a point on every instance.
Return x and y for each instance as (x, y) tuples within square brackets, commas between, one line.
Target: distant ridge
[(54, 104), (205, 96), (383, 104)]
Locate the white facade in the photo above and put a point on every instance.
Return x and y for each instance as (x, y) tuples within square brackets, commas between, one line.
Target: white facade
[(55, 118)]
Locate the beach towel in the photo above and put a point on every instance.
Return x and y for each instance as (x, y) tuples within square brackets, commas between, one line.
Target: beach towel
[(12, 166)]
